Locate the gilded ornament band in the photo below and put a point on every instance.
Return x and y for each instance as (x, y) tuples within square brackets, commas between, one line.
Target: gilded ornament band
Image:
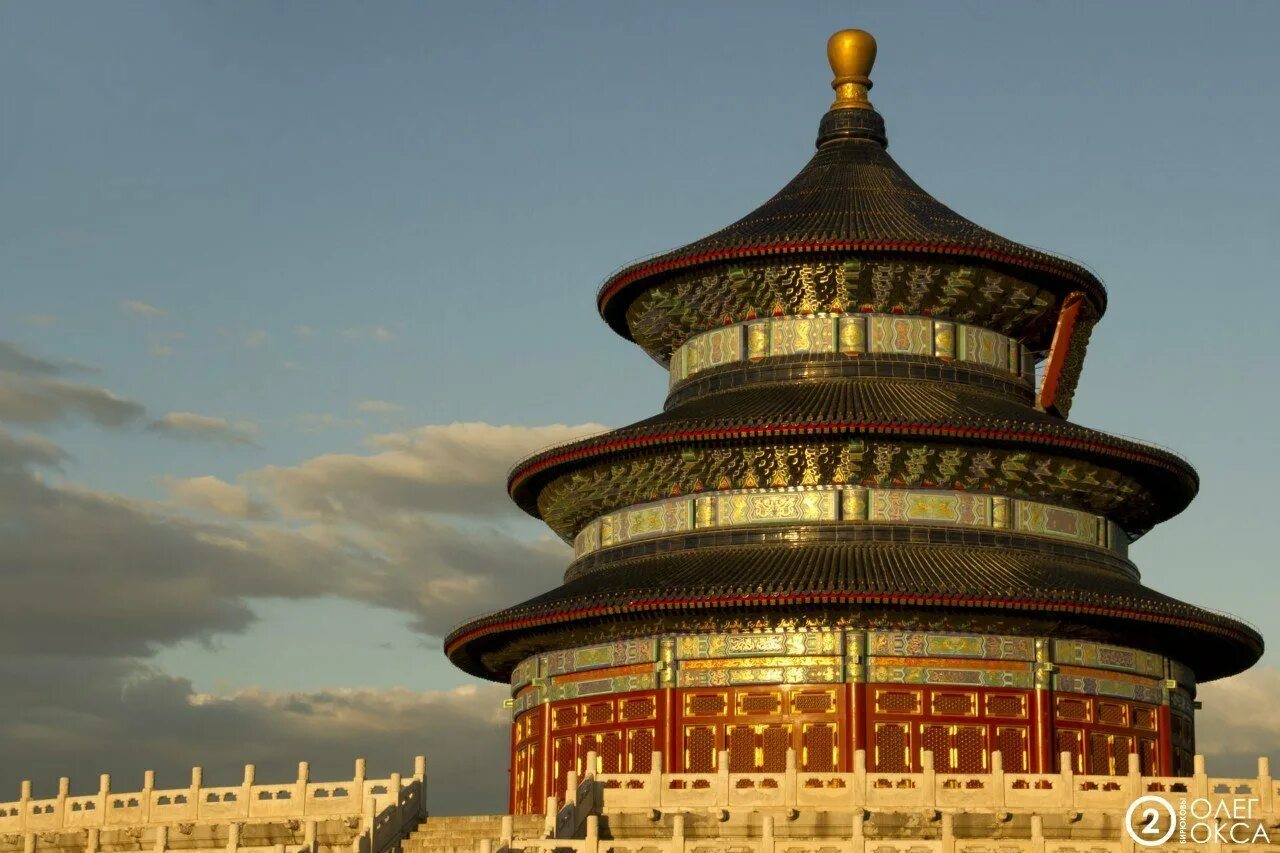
[(836, 655), (852, 335), (846, 504)]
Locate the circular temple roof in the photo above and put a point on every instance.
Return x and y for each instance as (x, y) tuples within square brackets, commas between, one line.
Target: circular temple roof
[(851, 197)]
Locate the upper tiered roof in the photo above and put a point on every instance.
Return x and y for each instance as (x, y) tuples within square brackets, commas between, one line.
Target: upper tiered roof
[(852, 196)]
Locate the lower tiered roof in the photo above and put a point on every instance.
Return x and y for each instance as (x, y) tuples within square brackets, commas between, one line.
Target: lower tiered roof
[(865, 406), (881, 581)]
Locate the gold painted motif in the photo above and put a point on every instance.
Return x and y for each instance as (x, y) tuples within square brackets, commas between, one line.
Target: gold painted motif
[(853, 334), (944, 339), (848, 504), (823, 334), (900, 335)]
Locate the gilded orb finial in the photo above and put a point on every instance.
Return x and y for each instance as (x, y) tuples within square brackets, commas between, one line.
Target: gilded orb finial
[(851, 54)]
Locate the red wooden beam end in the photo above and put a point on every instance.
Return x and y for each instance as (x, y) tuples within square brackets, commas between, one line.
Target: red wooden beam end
[(1058, 351)]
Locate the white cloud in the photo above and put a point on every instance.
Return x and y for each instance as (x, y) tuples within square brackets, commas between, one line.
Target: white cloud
[(41, 321), (135, 306), (189, 425), (212, 495), (457, 469), (304, 331), (1239, 721)]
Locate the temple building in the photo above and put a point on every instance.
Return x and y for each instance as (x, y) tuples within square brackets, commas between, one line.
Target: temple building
[(862, 522), (860, 588)]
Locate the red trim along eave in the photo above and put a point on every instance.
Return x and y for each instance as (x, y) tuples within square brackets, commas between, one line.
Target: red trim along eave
[(1064, 269), (730, 433), (873, 598)]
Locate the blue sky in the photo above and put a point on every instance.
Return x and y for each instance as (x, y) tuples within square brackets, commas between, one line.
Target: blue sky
[(269, 214)]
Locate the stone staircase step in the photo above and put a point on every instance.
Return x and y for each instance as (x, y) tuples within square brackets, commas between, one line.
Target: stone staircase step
[(463, 833)]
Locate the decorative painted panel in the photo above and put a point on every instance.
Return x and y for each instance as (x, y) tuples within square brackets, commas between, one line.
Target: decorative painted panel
[(849, 334), (986, 347), (851, 504), (795, 670), (901, 335), (703, 646), (1047, 520), (921, 644), (772, 507), (1081, 653), (802, 335), (525, 701), (621, 653), (1143, 691), (956, 508), (524, 673), (916, 671), (601, 686), (708, 350)]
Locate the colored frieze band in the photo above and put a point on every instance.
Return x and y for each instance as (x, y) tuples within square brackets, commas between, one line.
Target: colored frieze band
[(829, 656), (851, 335), (850, 504)]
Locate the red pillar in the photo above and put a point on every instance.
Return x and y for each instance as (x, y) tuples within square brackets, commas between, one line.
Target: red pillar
[(1164, 742)]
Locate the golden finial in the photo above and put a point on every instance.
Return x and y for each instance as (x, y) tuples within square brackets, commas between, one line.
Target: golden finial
[(851, 54)]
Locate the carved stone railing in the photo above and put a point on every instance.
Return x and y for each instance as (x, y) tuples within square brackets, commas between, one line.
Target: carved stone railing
[(377, 811), (864, 789), (752, 807)]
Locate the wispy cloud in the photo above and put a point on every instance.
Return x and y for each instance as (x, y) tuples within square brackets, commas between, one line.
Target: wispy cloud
[(195, 427), (302, 330), (135, 306), (19, 451), (41, 321), (14, 358), (32, 393), (254, 338)]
